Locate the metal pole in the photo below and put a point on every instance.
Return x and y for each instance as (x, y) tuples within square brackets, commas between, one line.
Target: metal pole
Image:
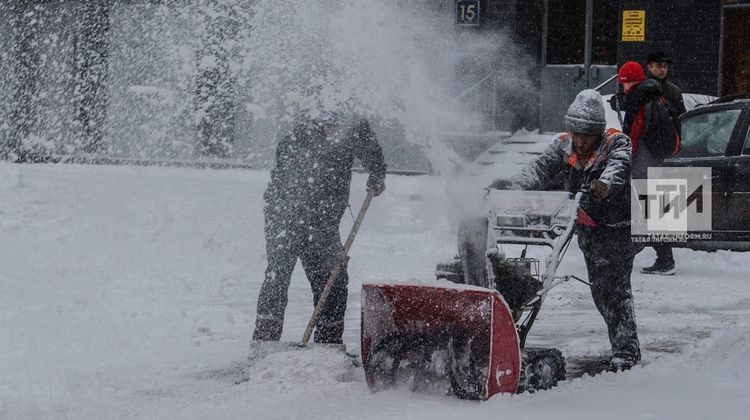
[(494, 102), (720, 79), (606, 82), (545, 32), (589, 39)]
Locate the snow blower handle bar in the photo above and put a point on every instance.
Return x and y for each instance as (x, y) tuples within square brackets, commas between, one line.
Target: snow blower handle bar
[(342, 260)]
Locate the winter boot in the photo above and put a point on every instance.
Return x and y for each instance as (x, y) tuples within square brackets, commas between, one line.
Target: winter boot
[(621, 364), (267, 329), (664, 268)]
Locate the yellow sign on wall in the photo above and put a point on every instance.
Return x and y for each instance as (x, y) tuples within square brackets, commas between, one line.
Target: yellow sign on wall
[(633, 25)]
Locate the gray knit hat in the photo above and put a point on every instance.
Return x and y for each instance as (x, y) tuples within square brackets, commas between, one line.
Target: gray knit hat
[(586, 114)]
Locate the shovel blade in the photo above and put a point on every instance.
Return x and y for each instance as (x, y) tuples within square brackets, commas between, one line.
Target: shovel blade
[(259, 350)]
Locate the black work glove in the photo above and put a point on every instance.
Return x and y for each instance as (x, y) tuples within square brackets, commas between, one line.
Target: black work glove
[(501, 184), (617, 101), (375, 184), (613, 103), (599, 189)]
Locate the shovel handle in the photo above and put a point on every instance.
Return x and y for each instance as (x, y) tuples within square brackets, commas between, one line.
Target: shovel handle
[(342, 260)]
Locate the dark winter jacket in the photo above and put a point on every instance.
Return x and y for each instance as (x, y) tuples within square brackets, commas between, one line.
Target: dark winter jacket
[(634, 125), (559, 166), (634, 103), (672, 94), (310, 184)]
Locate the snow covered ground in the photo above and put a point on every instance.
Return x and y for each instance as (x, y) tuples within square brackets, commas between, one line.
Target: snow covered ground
[(129, 292)]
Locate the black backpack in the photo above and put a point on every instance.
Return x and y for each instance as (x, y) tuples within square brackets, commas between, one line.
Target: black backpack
[(661, 136)]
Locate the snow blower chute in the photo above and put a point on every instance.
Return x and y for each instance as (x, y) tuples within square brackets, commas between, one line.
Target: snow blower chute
[(465, 340)]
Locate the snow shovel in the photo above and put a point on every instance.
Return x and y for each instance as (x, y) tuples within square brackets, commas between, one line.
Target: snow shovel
[(261, 349), (343, 259)]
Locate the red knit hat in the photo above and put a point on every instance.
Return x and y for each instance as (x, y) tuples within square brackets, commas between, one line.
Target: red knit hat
[(631, 71)]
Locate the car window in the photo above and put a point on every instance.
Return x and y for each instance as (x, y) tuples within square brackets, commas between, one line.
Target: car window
[(707, 134), (746, 149)]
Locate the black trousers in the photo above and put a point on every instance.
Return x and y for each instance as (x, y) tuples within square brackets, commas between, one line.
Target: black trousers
[(664, 253), (319, 250), (609, 254)]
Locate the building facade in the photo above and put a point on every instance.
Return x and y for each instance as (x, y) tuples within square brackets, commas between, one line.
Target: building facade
[(579, 43), (130, 78)]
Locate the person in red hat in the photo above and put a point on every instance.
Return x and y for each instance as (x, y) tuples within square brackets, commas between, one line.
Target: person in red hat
[(638, 92), (630, 75)]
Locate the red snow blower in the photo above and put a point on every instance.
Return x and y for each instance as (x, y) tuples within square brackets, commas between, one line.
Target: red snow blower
[(465, 340)]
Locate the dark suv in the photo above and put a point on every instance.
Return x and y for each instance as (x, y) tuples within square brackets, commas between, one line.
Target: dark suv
[(716, 135)]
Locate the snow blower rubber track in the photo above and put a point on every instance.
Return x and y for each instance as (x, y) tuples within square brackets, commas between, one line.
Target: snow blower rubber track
[(541, 368)]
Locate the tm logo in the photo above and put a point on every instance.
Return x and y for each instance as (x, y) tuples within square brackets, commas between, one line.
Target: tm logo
[(672, 200)]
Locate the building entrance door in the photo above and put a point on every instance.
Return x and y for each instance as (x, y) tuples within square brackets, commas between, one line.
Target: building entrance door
[(735, 50), (579, 51)]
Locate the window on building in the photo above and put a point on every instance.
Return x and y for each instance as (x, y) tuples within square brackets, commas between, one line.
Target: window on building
[(566, 32), (604, 32)]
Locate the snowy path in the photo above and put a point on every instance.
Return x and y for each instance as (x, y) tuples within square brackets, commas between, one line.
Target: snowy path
[(129, 292)]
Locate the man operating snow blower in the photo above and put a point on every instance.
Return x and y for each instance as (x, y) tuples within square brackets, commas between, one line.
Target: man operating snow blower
[(304, 203), (598, 162)]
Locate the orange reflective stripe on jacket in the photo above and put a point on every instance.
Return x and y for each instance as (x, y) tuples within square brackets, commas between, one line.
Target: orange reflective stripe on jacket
[(609, 135)]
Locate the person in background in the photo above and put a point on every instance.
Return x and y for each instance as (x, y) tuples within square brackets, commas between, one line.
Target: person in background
[(304, 203), (658, 65), (638, 93)]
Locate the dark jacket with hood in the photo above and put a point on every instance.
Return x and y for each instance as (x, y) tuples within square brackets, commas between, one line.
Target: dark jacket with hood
[(310, 183), (634, 125), (672, 94), (634, 102), (610, 163)]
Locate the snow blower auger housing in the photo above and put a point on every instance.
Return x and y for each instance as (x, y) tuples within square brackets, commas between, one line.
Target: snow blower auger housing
[(473, 337), (439, 338)]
